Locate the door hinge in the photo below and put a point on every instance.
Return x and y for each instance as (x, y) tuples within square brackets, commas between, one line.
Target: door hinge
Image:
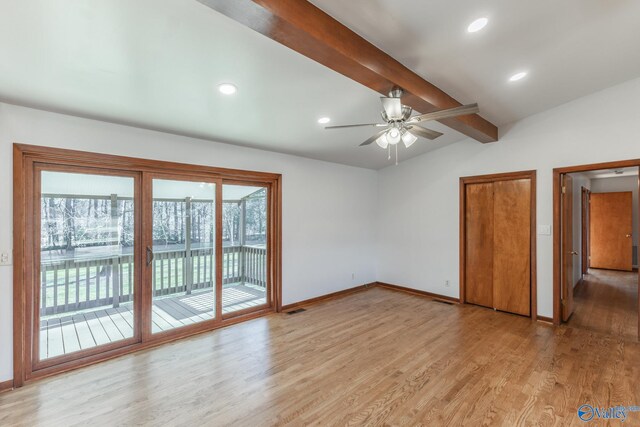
[(563, 302), (564, 189)]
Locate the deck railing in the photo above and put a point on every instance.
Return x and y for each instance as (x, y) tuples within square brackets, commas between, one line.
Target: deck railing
[(70, 285)]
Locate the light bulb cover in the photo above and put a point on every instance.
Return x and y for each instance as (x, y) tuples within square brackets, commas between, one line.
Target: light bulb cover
[(393, 136), (382, 141), (408, 139)]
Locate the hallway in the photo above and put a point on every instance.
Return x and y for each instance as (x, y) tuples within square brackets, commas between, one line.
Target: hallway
[(607, 302)]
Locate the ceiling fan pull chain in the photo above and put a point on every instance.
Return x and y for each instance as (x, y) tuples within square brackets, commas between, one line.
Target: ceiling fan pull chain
[(396, 154)]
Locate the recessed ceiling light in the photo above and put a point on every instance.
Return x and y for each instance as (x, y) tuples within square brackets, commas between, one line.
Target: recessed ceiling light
[(324, 120), (518, 76), (477, 25), (227, 88)]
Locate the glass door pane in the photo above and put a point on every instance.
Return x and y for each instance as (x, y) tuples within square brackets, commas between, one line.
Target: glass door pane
[(184, 254), (86, 292), (244, 244)]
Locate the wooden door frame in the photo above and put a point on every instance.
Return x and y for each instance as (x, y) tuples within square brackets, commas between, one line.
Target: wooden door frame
[(557, 218), (508, 176), (25, 159), (585, 196)]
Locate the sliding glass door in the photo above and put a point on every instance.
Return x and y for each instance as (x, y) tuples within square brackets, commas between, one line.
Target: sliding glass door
[(87, 269), (183, 254), (87, 256), (244, 242), (113, 254)]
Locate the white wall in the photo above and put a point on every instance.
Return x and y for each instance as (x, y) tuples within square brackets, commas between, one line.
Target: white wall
[(623, 183), (418, 200), (328, 209)]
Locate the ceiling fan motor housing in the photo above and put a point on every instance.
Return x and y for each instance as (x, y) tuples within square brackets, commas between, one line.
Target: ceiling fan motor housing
[(396, 93)]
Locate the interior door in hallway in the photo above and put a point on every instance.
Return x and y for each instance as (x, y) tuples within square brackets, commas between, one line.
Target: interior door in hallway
[(611, 245), (568, 252), (586, 195)]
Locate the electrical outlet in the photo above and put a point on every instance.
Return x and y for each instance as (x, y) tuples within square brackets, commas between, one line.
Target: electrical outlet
[(447, 283), (5, 258)]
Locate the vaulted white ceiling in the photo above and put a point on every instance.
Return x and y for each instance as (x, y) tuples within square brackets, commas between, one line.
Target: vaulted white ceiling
[(569, 48), (156, 64)]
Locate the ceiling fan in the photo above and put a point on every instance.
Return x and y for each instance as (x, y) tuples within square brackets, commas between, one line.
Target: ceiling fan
[(400, 126)]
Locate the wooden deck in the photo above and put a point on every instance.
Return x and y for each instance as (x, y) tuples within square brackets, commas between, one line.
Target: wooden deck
[(64, 334)]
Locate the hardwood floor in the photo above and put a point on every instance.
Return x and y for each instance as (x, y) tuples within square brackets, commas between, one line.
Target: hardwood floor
[(376, 357), (607, 302)]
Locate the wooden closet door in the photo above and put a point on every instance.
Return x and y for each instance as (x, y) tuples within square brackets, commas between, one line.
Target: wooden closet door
[(479, 244), (512, 246)]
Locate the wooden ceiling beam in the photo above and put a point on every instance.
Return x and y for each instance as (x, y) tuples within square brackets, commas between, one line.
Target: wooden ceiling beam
[(311, 32)]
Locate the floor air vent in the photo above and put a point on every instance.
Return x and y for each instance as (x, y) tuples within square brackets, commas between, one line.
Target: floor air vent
[(296, 311)]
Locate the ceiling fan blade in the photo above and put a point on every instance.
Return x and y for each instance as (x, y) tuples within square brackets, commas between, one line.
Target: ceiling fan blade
[(444, 114), (425, 133), (354, 126), (393, 107), (373, 138)]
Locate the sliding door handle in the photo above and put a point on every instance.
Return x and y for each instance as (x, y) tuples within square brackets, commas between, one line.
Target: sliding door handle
[(149, 255)]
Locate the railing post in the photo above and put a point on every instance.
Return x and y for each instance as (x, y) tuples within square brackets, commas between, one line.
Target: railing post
[(115, 281), (115, 261), (43, 288), (188, 276), (243, 240)]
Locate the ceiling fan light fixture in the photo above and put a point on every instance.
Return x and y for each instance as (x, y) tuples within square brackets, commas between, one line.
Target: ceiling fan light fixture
[(382, 141), (393, 136), (393, 107), (408, 139)]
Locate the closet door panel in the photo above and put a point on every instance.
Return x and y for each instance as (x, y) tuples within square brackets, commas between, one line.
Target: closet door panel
[(512, 246), (479, 244)]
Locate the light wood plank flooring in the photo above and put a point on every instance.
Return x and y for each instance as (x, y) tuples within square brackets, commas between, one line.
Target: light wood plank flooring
[(377, 357), (607, 302)]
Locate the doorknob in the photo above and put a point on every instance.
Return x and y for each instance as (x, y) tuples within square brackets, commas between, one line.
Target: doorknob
[(628, 235), (573, 253)]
